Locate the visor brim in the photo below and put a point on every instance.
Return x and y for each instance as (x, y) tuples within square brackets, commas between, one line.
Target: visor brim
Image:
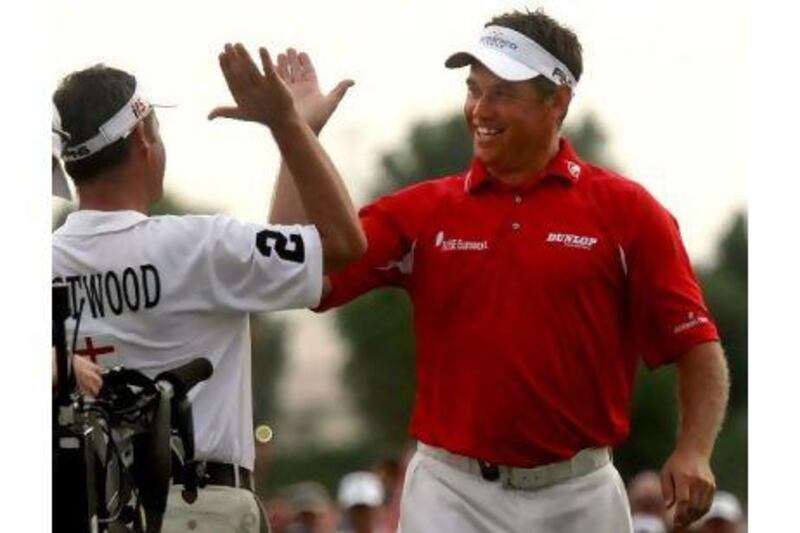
[(500, 64)]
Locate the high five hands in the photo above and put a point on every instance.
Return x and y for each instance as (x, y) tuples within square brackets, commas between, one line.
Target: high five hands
[(275, 95), (260, 97), (298, 73)]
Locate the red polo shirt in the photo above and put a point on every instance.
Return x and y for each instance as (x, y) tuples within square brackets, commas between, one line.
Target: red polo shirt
[(532, 305)]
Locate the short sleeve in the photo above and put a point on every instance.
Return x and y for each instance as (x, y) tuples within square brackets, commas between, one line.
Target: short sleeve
[(254, 268), (386, 263), (669, 314)]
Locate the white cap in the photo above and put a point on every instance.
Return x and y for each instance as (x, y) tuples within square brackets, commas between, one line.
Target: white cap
[(117, 127), (513, 57), (60, 186), (360, 488), (645, 523), (726, 507)]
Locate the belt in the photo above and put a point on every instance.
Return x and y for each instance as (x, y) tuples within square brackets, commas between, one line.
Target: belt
[(225, 474), (228, 475), (584, 462)]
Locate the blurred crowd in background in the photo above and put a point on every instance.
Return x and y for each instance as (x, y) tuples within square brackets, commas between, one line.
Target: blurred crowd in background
[(650, 513), (367, 501)]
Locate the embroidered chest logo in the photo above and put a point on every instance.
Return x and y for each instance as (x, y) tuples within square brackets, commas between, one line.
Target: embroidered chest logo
[(584, 242), (459, 245)]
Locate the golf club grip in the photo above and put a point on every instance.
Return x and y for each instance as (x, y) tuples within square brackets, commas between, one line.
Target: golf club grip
[(187, 376)]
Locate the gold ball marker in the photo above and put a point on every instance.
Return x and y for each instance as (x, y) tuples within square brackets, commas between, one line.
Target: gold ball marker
[(263, 433)]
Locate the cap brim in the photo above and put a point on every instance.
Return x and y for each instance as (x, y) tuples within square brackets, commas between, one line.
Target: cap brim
[(722, 514), (60, 186), (500, 64)]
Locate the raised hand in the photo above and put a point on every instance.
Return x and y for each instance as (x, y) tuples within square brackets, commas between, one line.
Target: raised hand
[(298, 73), (261, 98)]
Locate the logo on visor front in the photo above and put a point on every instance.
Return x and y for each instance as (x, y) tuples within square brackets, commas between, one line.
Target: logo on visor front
[(139, 108), (76, 152), (496, 40)]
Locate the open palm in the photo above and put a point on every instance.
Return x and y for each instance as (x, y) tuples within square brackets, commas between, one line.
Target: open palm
[(298, 73), (260, 97)]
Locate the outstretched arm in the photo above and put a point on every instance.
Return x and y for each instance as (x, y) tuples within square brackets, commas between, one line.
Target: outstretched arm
[(298, 73), (686, 478), (265, 99)]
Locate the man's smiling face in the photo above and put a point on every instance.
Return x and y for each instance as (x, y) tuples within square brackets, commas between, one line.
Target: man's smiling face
[(510, 121)]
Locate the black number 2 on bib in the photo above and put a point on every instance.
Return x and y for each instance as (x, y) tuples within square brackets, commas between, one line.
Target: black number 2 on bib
[(268, 240)]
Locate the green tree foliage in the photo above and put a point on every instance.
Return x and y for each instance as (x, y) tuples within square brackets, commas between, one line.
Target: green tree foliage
[(432, 148), (268, 333), (269, 359), (379, 371), (725, 288), (377, 326)]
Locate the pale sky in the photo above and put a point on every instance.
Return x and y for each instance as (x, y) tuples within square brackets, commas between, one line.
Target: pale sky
[(664, 78)]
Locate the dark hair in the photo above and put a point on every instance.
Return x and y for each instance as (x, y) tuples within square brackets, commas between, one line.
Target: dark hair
[(85, 100), (550, 35)]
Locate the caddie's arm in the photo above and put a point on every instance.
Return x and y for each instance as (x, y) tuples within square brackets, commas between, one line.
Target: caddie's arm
[(703, 385), (265, 99)]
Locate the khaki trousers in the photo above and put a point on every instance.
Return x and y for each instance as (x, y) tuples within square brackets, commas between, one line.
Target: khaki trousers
[(217, 509), (439, 498)]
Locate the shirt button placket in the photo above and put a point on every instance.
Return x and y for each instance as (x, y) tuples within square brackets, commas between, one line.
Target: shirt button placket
[(516, 225)]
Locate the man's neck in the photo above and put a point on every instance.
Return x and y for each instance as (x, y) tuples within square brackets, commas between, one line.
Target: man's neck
[(111, 193), (111, 205), (537, 161)]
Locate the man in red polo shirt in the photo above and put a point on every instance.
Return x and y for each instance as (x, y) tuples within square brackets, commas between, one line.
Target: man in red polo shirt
[(538, 281)]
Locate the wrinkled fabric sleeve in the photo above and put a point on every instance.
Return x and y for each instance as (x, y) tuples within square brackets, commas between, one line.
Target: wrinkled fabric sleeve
[(669, 313), (386, 262), (255, 268)]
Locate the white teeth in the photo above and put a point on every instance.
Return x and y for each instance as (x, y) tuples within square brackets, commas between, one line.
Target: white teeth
[(487, 131)]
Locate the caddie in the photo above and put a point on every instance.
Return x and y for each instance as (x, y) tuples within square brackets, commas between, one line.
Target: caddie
[(157, 292)]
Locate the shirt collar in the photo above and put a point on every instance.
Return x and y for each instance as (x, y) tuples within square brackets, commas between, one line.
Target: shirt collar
[(90, 222), (566, 165)]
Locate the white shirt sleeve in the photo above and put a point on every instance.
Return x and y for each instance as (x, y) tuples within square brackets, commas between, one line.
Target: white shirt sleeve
[(247, 267)]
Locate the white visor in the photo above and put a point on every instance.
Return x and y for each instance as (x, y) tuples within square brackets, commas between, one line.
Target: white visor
[(726, 507), (513, 57), (360, 488), (60, 186), (117, 127)]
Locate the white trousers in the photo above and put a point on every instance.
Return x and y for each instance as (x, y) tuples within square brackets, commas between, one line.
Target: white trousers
[(217, 509), (439, 498)]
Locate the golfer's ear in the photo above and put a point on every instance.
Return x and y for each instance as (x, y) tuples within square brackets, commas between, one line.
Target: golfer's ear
[(138, 137), (560, 101)]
